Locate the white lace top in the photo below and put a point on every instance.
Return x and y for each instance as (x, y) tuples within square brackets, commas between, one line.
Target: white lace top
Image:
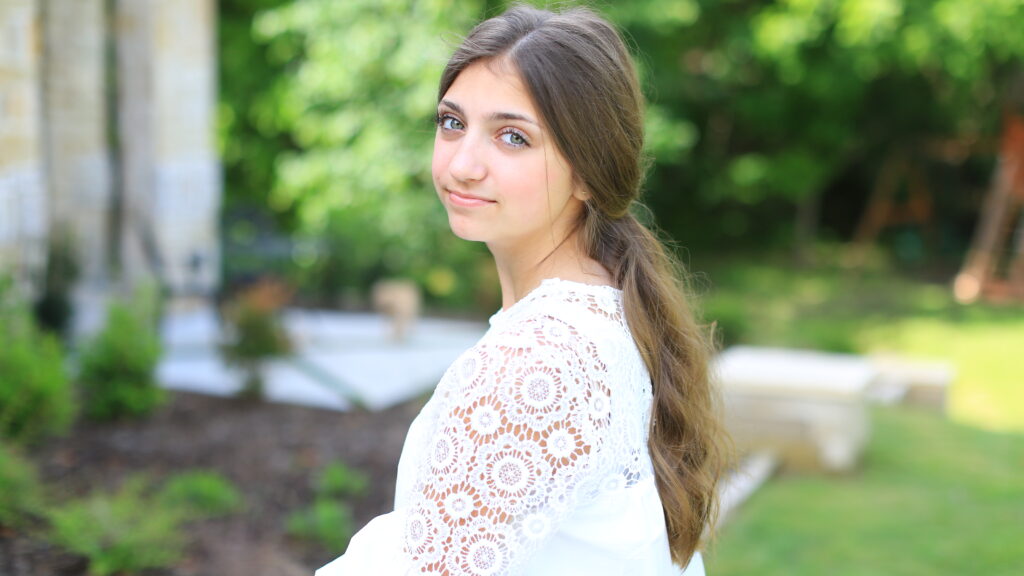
[(531, 456)]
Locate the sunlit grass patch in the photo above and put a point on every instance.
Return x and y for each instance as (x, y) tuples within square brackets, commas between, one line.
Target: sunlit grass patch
[(988, 356), (767, 302), (931, 497)]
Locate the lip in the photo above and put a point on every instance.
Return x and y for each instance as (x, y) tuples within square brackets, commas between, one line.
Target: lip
[(467, 200)]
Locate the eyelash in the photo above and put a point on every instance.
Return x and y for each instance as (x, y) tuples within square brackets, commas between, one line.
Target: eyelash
[(513, 132), (440, 120)]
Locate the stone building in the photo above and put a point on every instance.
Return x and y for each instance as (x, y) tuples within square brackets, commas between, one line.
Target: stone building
[(107, 135)]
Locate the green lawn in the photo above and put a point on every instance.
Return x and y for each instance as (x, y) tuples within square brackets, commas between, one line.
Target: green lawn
[(932, 497), (875, 311), (987, 353), (934, 494)]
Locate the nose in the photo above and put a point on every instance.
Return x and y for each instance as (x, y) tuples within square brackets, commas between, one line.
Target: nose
[(466, 165)]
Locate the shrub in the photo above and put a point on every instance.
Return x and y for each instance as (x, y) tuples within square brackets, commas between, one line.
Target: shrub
[(117, 367), (327, 522), (339, 480), (257, 333), (36, 396), (201, 494), (123, 532), (21, 497)]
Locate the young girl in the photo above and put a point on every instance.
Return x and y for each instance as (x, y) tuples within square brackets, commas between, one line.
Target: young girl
[(579, 436)]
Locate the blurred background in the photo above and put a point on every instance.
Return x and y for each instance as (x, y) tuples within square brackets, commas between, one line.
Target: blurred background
[(227, 285)]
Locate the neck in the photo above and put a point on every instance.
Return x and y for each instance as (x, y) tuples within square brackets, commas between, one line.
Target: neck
[(520, 270)]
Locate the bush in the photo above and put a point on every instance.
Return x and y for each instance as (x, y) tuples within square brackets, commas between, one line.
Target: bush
[(117, 368), (21, 497), (123, 532), (257, 332), (339, 480), (36, 396), (135, 529), (327, 522), (201, 494)]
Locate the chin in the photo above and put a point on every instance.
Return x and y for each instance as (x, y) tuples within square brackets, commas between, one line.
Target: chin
[(466, 232)]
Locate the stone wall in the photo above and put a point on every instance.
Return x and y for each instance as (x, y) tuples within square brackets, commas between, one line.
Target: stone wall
[(23, 207)]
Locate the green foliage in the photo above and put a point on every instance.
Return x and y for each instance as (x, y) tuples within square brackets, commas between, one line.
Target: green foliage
[(339, 480), (117, 368), (123, 532), (251, 133), (754, 107), (200, 494), (358, 99), (791, 97), (257, 333), (138, 527), (327, 522), (36, 396), (21, 497)]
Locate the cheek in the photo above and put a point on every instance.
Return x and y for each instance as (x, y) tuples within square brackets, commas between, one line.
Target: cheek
[(439, 161), (535, 186)]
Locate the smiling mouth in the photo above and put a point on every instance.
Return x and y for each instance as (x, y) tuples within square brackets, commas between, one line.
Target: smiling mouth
[(466, 200)]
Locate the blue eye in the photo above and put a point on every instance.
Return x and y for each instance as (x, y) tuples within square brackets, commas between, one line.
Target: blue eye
[(449, 122), (514, 138)]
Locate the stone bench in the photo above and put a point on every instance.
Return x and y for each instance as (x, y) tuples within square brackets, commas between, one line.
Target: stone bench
[(808, 408), (924, 383)]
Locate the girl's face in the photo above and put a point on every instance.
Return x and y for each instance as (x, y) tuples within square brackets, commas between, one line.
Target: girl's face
[(497, 172)]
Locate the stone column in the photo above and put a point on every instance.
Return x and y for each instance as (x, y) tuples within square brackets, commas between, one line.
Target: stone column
[(133, 31), (22, 191), (172, 187), (77, 162)]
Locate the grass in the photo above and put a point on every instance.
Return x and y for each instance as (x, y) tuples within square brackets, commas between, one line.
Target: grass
[(934, 494), (828, 308), (989, 388), (932, 497)]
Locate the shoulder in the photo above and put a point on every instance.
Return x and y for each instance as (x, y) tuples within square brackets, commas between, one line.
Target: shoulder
[(562, 322), (583, 307)]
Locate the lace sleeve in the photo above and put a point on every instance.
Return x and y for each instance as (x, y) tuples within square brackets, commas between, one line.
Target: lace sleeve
[(516, 445)]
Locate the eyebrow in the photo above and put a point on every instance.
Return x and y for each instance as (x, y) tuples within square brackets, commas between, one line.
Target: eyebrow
[(495, 116)]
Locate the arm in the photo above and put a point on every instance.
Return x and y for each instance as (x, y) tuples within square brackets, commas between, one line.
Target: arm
[(519, 437)]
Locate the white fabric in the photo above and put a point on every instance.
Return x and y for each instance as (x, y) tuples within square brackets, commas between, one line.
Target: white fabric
[(531, 456)]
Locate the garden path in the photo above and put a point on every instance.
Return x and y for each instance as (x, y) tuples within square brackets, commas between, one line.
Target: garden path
[(341, 361)]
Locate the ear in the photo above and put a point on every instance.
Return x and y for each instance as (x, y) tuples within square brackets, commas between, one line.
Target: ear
[(579, 191)]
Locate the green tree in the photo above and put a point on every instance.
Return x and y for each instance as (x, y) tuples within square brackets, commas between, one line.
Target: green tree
[(757, 109), (358, 99), (252, 134), (788, 97)]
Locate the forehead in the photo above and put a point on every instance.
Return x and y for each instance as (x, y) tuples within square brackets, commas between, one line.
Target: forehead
[(490, 86)]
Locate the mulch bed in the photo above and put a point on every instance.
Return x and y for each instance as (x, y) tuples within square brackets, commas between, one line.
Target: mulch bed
[(270, 452)]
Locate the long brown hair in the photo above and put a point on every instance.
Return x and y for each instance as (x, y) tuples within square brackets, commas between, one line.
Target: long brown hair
[(581, 78)]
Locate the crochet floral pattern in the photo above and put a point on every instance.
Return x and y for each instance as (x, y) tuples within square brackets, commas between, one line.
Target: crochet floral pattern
[(546, 412)]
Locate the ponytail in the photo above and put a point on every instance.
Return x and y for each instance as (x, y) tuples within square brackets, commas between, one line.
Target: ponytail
[(687, 440)]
